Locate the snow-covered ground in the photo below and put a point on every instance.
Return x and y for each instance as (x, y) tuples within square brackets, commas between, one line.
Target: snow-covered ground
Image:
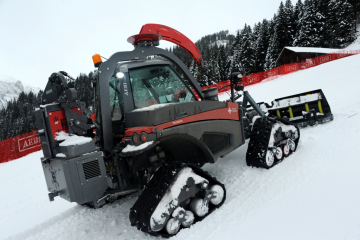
[(314, 194)]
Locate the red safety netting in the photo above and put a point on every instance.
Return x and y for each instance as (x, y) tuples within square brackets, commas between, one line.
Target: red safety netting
[(19, 146), (290, 68)]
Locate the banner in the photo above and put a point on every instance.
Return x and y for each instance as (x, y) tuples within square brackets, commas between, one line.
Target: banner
[(290, 68), (19, 146)]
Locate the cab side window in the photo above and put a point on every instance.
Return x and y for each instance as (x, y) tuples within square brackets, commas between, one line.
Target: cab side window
[(115, 99)]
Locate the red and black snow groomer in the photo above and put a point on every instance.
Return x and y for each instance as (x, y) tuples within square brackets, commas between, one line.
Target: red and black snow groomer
[(154, 128)]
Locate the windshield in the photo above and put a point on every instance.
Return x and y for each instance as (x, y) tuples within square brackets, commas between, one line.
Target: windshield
[(158, 85)]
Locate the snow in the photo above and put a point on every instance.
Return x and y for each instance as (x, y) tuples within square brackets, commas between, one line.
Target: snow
[(313, 49), (132, 148), (152, 107), (296, 100), (221, 42), (61, 155), (71, 140), (314, 194), (49, 104)]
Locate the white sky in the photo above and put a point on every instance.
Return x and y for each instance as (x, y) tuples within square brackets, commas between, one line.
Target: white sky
[(39, 37)]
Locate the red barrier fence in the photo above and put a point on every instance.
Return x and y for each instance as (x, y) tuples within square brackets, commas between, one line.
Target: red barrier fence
[(16, 147), (22, 145), (287, 68)]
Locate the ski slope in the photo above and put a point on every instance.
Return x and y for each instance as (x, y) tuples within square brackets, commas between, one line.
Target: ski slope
[(314, 194)]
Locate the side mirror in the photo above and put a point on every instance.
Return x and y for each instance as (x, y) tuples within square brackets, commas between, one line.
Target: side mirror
[(236, 77)]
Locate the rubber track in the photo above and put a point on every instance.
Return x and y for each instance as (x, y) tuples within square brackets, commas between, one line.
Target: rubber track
[(259, 141), (147, 202)]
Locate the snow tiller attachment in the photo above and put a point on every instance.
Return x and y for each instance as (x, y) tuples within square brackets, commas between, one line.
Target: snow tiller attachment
[(309, 108)]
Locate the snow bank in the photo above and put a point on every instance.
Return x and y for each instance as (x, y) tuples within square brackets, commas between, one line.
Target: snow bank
[(296, 100), (132, 148), (71, 140), (61, 155), (152, 107), (313, 50)]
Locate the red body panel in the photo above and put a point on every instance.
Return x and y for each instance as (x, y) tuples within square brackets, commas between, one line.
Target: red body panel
[(231, 112), (58, 122), (174, 36), (138, 130)]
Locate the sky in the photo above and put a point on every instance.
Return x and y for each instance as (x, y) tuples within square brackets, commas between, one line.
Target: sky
[(39, 37)]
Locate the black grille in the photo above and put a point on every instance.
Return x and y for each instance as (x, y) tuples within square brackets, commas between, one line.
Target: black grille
[(91, 169)]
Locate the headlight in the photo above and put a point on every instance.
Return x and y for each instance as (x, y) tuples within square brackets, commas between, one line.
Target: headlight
[(135, 139), (119, 75)]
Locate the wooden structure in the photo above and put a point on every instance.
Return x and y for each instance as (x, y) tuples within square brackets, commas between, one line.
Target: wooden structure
[(299, 54)]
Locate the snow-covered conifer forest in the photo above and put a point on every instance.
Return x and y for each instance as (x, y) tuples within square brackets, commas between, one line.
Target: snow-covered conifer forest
[(310, 23)]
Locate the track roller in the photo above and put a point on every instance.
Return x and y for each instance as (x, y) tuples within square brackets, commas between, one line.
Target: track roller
[(271, 139), (177, 196)]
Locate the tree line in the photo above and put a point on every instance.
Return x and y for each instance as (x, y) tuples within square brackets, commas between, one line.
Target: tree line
[(310, 23)]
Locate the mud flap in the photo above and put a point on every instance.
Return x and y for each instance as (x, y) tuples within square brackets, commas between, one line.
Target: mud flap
[(308, 108)]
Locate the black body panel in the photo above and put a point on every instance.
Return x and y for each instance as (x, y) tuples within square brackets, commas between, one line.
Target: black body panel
[(81, 179), (187, 142)]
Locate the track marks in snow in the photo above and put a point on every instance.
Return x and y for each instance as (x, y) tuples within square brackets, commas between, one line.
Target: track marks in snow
[(108, 222)]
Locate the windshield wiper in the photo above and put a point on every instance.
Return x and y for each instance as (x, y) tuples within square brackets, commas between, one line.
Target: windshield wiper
[(113, 87), (153, 92)]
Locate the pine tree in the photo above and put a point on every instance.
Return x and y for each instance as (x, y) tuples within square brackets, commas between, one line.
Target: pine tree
[(214, 69), (272, 53), (247, 52), (262, 44), (289, 23), (283, 33), (298, 12), (356, 11), (342, 23), (222, 62), (312, 27), (270, 59), (322, 8), (235, 55), (254, 44)]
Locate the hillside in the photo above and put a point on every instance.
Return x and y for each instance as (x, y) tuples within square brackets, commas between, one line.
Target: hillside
[(10, 88), (312, 195)]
